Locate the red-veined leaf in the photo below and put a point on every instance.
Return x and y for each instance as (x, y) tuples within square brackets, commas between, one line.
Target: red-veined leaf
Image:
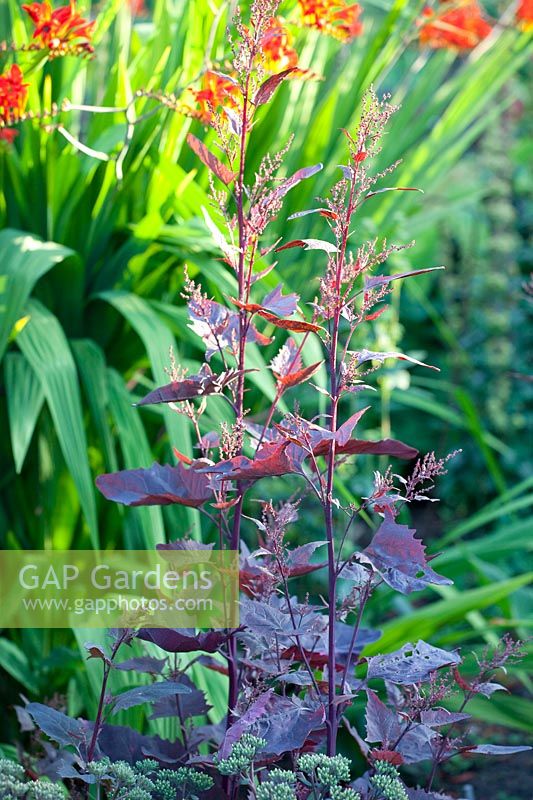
[(210, 160), (268, 87), (393, 189), (382, 280), (295, 325), (309, 244)]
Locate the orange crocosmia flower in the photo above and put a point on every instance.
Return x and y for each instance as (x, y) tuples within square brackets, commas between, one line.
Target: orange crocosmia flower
[(334, 17), (217, 90), (13, 95), (8, 135), (524, 15), (462, 27), (276, 48), (59, 27)]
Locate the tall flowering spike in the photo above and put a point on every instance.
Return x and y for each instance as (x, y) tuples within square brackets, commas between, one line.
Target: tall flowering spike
[(62, 30), (276, 47), (335, 18), (524, 15), (460, 27), (13, 97), (216, 91)]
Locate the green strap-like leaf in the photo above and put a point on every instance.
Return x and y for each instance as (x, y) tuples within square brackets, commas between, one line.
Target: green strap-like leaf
[(23, 260), (25, 398), (46, 348), (91, 365)]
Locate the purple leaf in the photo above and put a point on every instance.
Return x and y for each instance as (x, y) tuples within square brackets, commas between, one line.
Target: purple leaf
[(345, 431), (299, 559), (421, 794), (400, 558), (146, 664), (24, 719), (268, 87), (257, 710), (488, 689), (285, 723), (203, 383), (120, 743), (219, 327), (184, 544), (192, 704), (384, 726), (362, 356), (393, 189), (147, 694), (382, 447), (156, 486), (288, 184), (288, 724), (280, 304), (411, 664), (184, 640), (437, 717), (496, 749), (383, 280), (57, 726), (273, 459)]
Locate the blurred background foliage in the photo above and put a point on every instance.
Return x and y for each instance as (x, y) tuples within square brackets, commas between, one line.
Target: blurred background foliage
[(91, 269)]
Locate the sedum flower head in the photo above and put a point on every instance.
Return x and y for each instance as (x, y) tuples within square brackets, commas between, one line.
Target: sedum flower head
[(275, 791), (387, 782), (241, 756), (328, 770)]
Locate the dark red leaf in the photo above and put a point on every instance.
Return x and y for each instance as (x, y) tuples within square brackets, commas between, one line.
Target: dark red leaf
[(295, 378), (324, 212), (383, 280), (391, 756), (275, 302), (411, 664), (309, 244), (295, 325), (219, 327), (436, 717), (289, 183), (400, 558), (210, 160), (204, 382), (384, 726), (285, 723), (184, 640), (495, 749), (272, 460), (268, 87), (157, 486), (280, 304)]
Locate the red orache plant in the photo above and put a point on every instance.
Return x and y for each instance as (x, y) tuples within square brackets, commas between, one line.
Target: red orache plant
[(309, 449)]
